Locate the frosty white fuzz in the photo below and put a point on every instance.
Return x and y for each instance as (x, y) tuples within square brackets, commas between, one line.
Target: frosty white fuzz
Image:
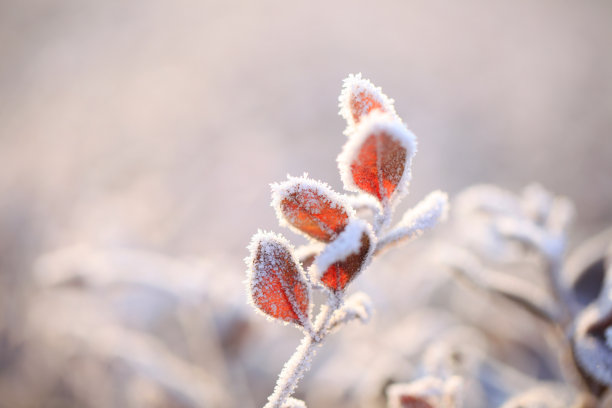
[(357, 306), (434, 391), (364, 201), (424, 216), (281, 191), (270, 242), (377, 123), (294, 403), (292, 372), (347, 243), (359, 93)]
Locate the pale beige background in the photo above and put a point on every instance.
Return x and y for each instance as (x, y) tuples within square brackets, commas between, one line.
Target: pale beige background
[(158, 125)]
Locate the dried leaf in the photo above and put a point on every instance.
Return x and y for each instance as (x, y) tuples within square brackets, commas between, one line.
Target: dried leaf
[(276, 280), (376, 159), (311, 207), (344, 258)]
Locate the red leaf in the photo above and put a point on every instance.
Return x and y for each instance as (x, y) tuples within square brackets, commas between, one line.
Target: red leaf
[(377, 158), (360, 97), (362, 103), (343, 259), (311, 207), (276, 279)]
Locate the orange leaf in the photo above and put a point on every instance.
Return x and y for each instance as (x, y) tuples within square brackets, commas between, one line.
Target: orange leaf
[(377, 158), (342, 260), (311, 207), (277, 284), (360, 97)]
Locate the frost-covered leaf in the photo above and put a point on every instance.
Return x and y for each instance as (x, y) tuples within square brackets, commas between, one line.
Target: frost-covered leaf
[(311, 207), (277, 285), (468, 267), (360, 97), (344, 258), (427, 392), (551, 396), (376, 159), (425, 215)]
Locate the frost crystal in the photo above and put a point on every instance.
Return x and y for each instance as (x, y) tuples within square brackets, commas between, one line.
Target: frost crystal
[(377, 157), (276, 281), (360, 97), (311, 207)]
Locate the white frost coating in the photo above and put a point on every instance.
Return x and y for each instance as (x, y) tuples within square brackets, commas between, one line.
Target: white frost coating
[(294, 403), (358, 87), (347, 243), (292, 185), (375, 123), (357, 306), (436, 392), (292, 372), (364, 201), (422, 217), (270, 241)]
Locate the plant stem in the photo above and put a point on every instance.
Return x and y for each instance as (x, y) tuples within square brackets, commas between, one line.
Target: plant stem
[(300, 361)]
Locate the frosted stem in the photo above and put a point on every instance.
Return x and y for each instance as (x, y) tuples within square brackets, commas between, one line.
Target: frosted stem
[(300, 361)]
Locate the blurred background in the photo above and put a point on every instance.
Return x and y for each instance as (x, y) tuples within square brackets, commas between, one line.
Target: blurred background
[(138, 139)]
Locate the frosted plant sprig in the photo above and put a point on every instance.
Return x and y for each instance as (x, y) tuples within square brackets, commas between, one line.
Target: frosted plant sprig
[(374, 163)]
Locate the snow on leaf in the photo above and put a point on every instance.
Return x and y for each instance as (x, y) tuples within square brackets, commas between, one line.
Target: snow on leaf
[(344, 258), (376, 159), (277, 285), (311, 207), (360, 97), (425, 215)]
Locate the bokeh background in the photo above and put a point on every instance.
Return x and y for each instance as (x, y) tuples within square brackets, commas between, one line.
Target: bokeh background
[(138, 139)]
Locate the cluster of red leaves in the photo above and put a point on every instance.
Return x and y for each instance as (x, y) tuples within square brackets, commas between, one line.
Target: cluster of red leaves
[(375, 160)]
